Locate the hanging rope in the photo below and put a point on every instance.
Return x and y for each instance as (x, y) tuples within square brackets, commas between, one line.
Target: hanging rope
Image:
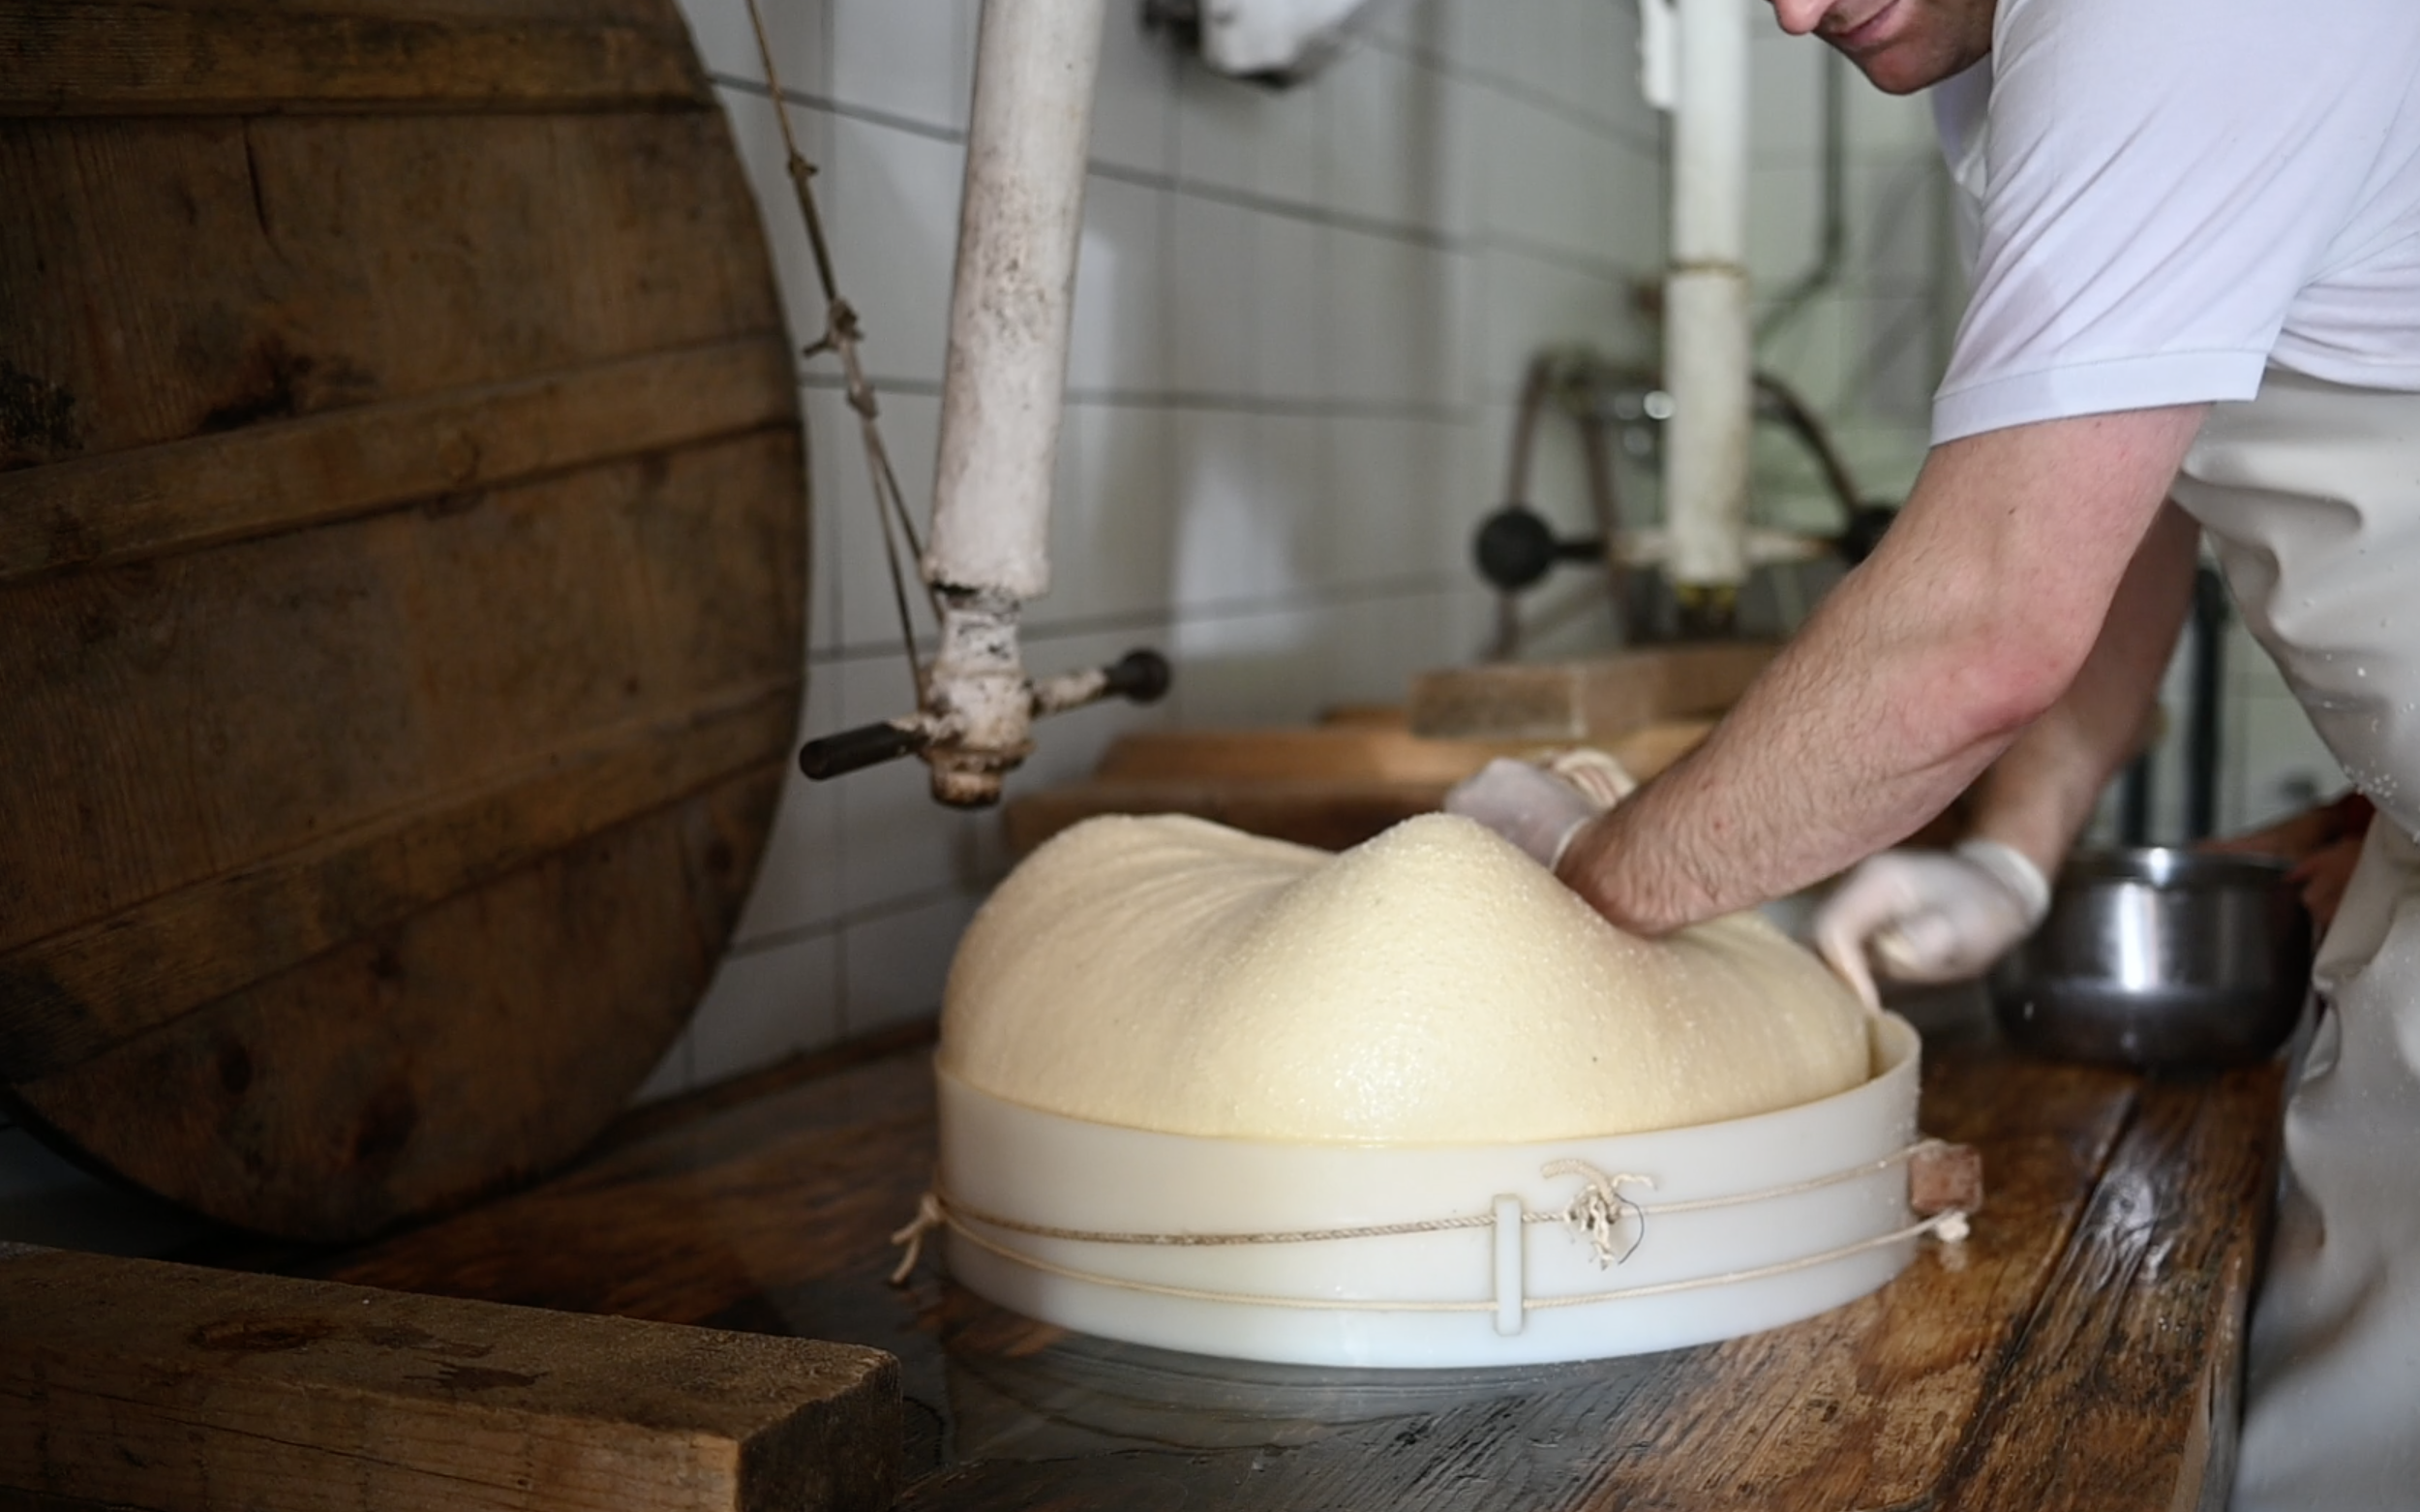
[(843, 331)]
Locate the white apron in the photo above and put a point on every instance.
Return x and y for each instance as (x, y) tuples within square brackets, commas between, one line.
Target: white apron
[(2310, 494)]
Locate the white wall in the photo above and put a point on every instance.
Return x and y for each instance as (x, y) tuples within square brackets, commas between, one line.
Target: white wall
[(1302, 320)]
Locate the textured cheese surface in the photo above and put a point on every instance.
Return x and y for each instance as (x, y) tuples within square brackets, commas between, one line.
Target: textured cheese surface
[(1433, 986)]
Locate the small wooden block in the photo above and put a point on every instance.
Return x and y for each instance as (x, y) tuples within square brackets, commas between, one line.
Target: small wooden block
[(1595, 701), (1333, 786), (1329, 752), (1940, 1177), (172, 1387)]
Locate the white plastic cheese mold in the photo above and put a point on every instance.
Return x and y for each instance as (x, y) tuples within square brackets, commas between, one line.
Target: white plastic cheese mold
[(1396, 1255)]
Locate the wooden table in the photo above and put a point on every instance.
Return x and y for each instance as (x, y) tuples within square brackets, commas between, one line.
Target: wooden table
[(2081, 1349)]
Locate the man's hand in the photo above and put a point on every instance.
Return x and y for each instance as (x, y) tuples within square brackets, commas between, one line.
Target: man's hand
[(1533, 808), (1930, 916)]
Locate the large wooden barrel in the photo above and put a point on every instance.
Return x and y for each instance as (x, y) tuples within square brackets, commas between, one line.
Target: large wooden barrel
[(402, 564)]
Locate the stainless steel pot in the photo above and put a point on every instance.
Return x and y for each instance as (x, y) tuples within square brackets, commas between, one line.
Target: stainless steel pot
[(2159, 958)]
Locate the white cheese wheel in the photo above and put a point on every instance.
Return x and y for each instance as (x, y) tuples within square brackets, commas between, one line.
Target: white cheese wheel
[(1430, 986)]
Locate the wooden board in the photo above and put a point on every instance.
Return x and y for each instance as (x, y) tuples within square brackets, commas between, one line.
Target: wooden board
[(2074, 1352), (1598, 700), (402, 557), (145, 1384), (1332, 785)]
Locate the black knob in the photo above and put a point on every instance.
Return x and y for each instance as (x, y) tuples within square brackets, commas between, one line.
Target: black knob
[(1141, 676), (1515, 548)]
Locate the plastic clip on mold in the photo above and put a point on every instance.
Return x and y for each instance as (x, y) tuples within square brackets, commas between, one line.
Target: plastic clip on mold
[(1512, 1307)]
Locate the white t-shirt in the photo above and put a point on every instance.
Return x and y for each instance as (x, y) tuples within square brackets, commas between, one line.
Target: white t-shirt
[(2173, 194)]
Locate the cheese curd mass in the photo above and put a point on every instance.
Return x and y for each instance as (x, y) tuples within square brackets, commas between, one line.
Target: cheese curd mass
[(1433, 986)]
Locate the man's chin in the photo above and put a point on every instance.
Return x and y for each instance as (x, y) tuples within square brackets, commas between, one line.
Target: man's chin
[(1893, 75)]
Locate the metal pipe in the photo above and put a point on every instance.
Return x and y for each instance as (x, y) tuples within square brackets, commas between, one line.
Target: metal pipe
[(2133, 811), (2201, 719), (1706, 312), (1010, 307), (1778, 400)]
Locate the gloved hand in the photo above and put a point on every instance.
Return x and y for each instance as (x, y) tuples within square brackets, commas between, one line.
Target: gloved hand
[(1930, 916), (1535, 809)]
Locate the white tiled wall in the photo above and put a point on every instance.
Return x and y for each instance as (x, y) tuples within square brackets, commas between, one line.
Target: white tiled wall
[(1302, 317)]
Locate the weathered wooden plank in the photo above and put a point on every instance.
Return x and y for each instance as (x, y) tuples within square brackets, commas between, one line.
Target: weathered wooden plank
[(167, 279), (1331, 785), (208, 490), (2122, 1394), (771, 1214), (1315, 751), (14, 1500), (466, 1049), (1596, 701), (193, 717), (100, 58), (66, 998), (1870, 1406), (1331, 815), (714, 1219), (173, 1387)]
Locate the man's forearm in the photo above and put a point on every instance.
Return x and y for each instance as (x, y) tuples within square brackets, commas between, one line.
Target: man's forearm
[(2037, 797), (1841, 748), (1973, 618)]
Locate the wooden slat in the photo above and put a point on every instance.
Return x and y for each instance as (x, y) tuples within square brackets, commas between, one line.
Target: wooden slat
[(1331, 815), (2136, 1347), (165, 279), (1329, 751), (150, 501), (1597, 700), (1868, 1405), (1332, 786), (174, 1387), (68, 997), (471, 1046), (181, 720), (91, 58)]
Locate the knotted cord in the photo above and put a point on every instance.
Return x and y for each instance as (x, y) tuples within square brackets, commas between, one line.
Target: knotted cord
[(843, 331), (1596, 1217)]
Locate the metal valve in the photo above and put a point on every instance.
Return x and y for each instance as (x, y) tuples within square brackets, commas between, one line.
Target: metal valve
[(1141, 677)]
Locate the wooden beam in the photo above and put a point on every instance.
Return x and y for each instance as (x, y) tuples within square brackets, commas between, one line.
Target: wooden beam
[(2123, 1391), (128, 506), (1321, 751), (1596, 701), (89, 58), (68, 997), (1332, 785), (173, 1387)]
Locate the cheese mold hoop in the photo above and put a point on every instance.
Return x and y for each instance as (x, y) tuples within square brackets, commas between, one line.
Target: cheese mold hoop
[(1430, 1256)]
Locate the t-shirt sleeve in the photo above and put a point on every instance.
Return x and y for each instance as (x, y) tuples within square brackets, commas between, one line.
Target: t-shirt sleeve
[(2163, 177)]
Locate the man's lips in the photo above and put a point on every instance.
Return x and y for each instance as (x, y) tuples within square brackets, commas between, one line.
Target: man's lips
[(1865, 34)]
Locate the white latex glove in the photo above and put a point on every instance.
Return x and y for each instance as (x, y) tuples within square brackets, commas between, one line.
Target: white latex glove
[(1535, 809), (1930, 916)]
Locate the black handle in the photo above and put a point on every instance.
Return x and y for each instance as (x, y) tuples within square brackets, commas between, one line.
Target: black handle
[(852, 750), (1142, 675), (1515, 547)]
